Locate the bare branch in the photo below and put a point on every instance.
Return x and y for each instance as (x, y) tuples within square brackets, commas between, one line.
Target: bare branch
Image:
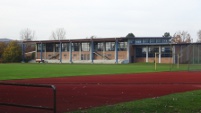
[(59, 34), (199, 36), (27, 34)]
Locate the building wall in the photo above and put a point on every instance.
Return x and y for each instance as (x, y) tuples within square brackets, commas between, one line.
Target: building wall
[(65, 55), (167, 60), (38, 55), (151, 60), (84, 55), (140, 60), (110, 55), (122, 54), (76, 55), (98, 55)]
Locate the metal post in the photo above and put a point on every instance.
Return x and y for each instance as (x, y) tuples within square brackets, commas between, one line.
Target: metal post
[(54, 99), (128, 51), (193, 54), (92, 51), (41, 51), (104, 48), (116, 51), (70, 52), (178, 61), (147, 54), (80, 51), (198, 55), (22, 52), (173, 54), (60, 52), (159, 54), (155, 61)]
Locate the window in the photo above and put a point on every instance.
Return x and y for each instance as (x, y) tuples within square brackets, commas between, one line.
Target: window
[(57, 47), (110, 46), (49, 47), (75, 46), (122, 46), (158, 40), (85, 47), (98, 46), (39, 48), (166, 51), (152, 40), (145, 40), (165, 40), (138, 41), (141, 52), (153, 50), (65, 46), (85, 57)]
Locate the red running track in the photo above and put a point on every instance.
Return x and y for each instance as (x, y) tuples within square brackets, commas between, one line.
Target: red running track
[(75, 93)]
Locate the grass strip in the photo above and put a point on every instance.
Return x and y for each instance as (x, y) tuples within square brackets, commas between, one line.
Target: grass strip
[(188, 102)]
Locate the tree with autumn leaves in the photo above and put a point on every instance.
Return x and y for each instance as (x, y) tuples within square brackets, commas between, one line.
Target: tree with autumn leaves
[(10, 52), (181, 37), (2, 47)]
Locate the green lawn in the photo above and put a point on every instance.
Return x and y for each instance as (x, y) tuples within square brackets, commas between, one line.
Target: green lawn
[(25, 70), (188, 102)]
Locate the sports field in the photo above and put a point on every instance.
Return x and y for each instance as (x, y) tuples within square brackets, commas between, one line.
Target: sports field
[(83, 86), (25, 71)]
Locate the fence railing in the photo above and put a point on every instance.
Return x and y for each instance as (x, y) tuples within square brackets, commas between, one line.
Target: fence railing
[(31, 106)]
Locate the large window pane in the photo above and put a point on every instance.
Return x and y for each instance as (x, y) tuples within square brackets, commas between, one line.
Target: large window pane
[(152, 40), (166, 51), (153, 50), (75, 46), (122, 46), (140, 51), (57, 46), (110, 46), (85, 47), (158, 40), (98, 46), (49, 47), (65, 46), (39, 48), (138, 41), (145, 40)]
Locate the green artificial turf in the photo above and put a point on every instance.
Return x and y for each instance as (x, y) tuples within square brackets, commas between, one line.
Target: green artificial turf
[(188, 102), (25, 70)]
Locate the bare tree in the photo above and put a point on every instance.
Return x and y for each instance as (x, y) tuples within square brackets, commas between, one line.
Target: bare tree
[(181, 37), (27, 34), (59, 34), (199, 36)]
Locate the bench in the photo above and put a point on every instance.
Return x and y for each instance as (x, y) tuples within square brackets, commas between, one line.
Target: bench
[(39, 60)]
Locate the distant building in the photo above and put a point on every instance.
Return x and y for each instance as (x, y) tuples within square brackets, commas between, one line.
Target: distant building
[(104, 50), (108, 50)]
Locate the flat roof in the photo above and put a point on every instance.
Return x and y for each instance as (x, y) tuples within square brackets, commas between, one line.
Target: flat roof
[(120, 39)]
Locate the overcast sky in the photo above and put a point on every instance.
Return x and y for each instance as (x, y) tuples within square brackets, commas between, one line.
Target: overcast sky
[(102, 18)]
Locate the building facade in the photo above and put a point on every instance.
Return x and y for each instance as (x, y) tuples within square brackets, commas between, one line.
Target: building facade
[(108, 50)]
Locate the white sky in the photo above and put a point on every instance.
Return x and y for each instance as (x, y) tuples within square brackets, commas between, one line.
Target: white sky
[(102, 18)]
